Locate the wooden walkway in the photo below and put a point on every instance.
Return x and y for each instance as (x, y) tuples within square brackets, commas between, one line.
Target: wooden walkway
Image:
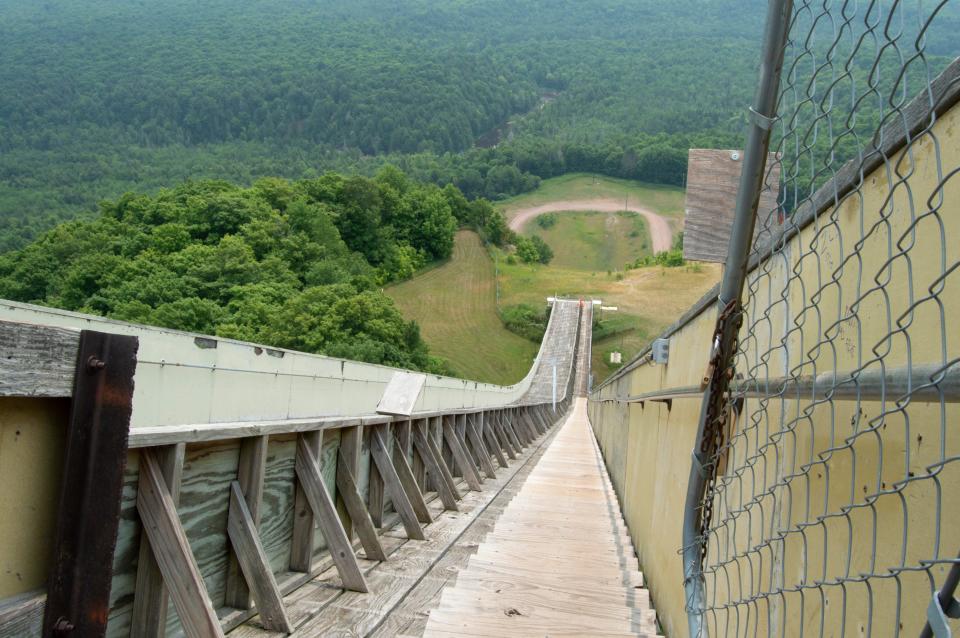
[(558, 561)]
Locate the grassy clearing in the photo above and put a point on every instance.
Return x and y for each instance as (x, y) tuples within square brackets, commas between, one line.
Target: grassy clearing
[(455, 305), (594, 241), (648, 299), (628, 342), (657, 294), (666, 200)]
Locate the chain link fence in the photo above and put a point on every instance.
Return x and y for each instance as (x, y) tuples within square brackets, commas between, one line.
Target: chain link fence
[(830, 505)]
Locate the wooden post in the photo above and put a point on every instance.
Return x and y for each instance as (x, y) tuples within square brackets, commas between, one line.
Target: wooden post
[(442, 480), (357, 509), (460, 455), (150, 594), (376, 497), (349, 456), (301, 545), (172, 552), (485, 459), (392, 485), (248, 550), (325, 512), (250, 473)]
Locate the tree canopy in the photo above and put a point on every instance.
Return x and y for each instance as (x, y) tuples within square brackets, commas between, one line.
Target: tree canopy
[(289, 264)]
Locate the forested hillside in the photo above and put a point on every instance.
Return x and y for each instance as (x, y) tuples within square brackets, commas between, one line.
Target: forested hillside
[(105, 96), (291, 264)]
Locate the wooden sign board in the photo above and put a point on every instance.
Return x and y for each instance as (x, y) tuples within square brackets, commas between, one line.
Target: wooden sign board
[(713, 177), (401, 394)]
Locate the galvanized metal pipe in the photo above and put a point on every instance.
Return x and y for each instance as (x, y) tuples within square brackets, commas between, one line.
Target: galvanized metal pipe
[(762, 114), (924, 383)]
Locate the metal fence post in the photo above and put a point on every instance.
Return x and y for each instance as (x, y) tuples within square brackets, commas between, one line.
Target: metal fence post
[(761, 115)]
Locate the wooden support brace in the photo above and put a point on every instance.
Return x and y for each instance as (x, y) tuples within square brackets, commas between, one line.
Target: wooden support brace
[(341, 551), (376, 490), (348, 491), (505, 442), (520, 427), (460, 456), (404, 436), (409, 484), (446, 472), (348, 455), (543, 418), (301, 544), (149, 618), (485, 459), (250, 473), (248, 550), (445, 487), (472, 452), (530, 424), (172, 552), (491, 438), (391, 482), (512, 435)]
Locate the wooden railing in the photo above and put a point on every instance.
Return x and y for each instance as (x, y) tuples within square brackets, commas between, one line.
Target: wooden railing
[(219, 519)]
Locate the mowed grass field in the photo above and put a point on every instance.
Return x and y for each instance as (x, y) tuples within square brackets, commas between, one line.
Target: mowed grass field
[(455, 305), (594, 241)]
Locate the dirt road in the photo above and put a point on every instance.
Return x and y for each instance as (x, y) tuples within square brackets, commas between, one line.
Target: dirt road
[(660, 234)]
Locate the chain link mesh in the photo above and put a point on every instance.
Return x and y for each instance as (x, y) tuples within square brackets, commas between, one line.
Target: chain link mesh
[(834, 493)]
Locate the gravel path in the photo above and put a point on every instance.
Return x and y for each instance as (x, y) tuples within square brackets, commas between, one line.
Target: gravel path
[(660, 233)]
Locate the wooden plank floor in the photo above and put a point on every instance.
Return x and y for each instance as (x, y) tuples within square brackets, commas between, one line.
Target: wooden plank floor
[(558, 560)]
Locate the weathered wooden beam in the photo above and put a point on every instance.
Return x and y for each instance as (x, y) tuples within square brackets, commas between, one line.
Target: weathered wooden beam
[(251, 469), (409, 484), (301, 544), (347, 490), (416, 462), (501, 433), (486, 460), (37, 361), (152, 436), (436, 443), (391, 482), (460, 457), (348, 455), (511, 434), (472, 452), (91, 487), (519, 428), (445, 489), (532, 426), (493, 444), (376, 494), (307, 468), (150, 594), (172, 552), (248, 550)]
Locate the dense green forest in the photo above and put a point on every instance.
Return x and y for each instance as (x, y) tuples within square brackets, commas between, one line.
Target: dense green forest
[(105, 96), (292, 264), (101, 97)]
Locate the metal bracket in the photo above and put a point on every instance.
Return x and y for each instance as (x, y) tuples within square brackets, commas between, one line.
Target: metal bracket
[(764, 122), (937, 615)]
